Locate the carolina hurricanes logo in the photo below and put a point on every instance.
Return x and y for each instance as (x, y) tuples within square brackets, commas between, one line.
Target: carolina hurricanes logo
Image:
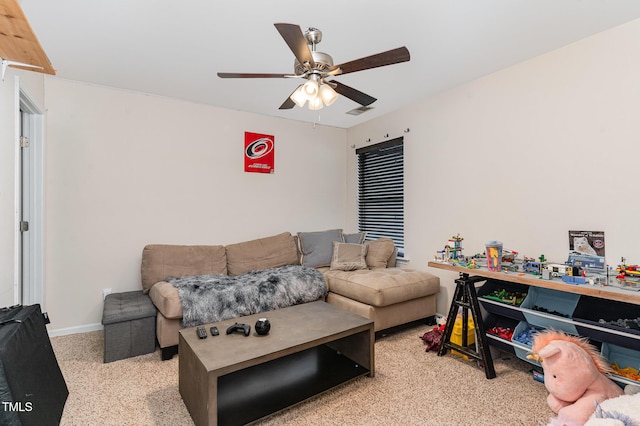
[(259, 148)]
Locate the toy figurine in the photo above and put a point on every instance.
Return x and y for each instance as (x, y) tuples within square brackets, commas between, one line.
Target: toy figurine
[(449, 253), (457, 248)]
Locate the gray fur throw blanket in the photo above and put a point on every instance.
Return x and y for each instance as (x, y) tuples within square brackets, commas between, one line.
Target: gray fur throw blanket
[(212, 298)]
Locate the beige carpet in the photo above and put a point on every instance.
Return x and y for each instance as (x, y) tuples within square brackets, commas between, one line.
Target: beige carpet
[(411, 387)]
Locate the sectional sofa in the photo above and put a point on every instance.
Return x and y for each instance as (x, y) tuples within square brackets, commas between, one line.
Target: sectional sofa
[(361, 277)]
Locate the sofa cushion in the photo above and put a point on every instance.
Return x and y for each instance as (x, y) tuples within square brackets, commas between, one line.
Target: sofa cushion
[(379, 252), (348, 257), (355, 238), (160, 261), (263, 253), (382, 287), (317, 247)]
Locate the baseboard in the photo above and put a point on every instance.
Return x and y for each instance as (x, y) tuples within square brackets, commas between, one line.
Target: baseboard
[(75, 330)]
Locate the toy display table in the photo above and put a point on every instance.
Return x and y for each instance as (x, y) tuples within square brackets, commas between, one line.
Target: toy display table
[(585, 310), (600, 291)]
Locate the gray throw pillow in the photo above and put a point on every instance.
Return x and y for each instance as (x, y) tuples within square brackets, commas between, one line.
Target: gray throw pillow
[(355, 238), (317, 247)]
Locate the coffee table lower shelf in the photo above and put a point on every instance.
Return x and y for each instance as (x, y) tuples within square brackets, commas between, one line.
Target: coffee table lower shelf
[(259, 391)]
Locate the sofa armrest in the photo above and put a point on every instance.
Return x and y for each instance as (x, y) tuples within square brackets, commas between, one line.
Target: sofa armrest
[(165, 297)]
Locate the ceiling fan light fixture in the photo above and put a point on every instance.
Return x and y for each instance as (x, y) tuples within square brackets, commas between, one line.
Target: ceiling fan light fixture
[(315, 103), (299, 97), (310, 89), (327, 94)]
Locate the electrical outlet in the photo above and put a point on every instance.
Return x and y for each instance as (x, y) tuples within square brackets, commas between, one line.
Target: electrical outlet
[(105, 293)]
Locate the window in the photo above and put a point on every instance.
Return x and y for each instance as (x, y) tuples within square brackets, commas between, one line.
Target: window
[(381, 191)]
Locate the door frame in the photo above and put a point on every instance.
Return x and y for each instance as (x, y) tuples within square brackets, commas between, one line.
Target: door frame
[(31, 292)]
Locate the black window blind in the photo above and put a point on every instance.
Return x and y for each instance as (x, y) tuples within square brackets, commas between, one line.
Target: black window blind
[(381, 191)]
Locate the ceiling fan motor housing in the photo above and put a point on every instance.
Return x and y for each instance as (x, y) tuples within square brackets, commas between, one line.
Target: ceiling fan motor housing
[(322, 63)]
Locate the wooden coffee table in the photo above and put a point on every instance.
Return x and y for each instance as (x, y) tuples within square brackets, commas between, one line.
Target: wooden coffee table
[(237, 379)]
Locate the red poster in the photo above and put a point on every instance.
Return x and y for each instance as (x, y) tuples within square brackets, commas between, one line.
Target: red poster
[(259, 153)]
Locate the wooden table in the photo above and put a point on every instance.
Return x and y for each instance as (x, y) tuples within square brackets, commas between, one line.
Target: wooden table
[(601, 291), (237, 379)]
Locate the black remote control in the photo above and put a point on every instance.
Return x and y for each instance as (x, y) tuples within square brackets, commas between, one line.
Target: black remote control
[(202, 333), (214, 331)]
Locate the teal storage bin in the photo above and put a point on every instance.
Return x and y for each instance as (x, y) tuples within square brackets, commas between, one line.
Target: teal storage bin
[(523, 349), (558, 309), (624, 357)]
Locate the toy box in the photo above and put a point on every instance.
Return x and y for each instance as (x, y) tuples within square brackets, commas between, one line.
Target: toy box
[(624, 359), (558, 309), (494, 325), (456, 335), (508, 305), (594, 318), (522, 337), (586, 261)]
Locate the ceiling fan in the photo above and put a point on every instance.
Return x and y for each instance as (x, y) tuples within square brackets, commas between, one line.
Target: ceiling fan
[(318, 69)]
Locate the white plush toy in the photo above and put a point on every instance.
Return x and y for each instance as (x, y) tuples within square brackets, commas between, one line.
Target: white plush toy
[(620, 411)]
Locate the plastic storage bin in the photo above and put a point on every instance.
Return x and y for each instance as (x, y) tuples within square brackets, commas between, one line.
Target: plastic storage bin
[(624, 357), (558, 305), (589, 312), (497, 307), (524, 327), (456, 335), (494, 340)]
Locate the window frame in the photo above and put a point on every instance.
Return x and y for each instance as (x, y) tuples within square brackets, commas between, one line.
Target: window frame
[(380, 191)]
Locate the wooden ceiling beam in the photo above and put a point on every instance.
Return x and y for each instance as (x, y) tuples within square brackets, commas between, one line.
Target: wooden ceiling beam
[(18, 42)]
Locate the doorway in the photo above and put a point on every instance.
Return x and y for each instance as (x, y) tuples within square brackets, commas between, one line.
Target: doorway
[(30, 253)]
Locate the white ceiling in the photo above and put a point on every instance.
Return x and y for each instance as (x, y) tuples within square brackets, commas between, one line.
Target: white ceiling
[(175, 48)]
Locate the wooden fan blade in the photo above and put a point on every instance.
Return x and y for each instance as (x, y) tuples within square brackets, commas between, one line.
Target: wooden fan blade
[(353, 94), (292, 35), (288, 104), (250, 75), (390, 57)]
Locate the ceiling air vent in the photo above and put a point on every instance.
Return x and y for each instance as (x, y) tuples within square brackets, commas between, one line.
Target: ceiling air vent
[(359, 110)]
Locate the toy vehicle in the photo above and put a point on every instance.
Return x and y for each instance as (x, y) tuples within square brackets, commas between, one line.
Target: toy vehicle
[(625, 270), (532, 266), (509, 255), (557, 269)]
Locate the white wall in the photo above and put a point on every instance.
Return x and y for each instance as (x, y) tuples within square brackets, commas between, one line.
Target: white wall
[(524, 155), (126, 169), (32, 85)]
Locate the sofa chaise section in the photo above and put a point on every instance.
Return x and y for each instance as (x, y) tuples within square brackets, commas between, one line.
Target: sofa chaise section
[(390, 296)]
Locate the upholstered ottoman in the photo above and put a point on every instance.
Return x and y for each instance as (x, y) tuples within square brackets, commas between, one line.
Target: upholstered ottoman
[(129, 321)]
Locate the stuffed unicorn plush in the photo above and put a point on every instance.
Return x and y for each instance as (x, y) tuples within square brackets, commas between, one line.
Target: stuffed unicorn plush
[(574, 375)]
